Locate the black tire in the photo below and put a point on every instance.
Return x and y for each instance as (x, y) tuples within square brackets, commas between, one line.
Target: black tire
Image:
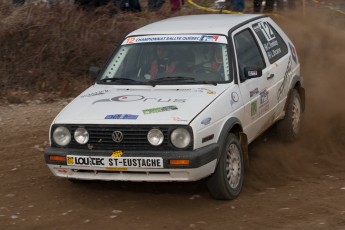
[(289, 128), (227, 180)]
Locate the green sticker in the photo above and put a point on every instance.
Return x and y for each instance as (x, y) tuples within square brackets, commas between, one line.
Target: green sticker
[(160, 109), (254, 108)]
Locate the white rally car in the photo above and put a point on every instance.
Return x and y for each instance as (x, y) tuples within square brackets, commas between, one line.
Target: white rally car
[(180, 100)]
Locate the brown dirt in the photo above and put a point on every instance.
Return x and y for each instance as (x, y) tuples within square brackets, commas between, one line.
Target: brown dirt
[(287, 186)]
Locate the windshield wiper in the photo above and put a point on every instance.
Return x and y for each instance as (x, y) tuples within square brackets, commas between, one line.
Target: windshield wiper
[(182, 79), (206, 82), (174, 78), (120, 80)]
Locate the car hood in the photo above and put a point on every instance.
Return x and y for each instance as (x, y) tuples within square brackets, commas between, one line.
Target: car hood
[(103, 104)]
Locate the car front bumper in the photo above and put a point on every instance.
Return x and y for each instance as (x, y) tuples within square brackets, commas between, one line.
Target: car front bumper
[(202, 164)]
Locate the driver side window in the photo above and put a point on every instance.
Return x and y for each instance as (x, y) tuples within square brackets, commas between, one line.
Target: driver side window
[(248, 52)]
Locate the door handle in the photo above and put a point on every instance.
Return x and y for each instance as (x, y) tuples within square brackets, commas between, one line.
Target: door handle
[(269, 77)]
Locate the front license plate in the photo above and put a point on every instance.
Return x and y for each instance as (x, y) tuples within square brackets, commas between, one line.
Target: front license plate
[(115, 162)]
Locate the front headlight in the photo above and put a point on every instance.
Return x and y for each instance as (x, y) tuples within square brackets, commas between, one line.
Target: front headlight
[(155, 137), (180, 138), (61, 136), (81, 136)]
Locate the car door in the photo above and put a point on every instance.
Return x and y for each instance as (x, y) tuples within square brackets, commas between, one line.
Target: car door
[(256, 92), (279, 63)]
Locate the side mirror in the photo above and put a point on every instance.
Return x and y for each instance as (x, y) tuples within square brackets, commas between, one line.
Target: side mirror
[(252, 72), (94, 71)]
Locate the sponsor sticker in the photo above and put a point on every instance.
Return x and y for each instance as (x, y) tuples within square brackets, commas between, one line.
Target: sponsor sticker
[(283, 87), (264, 105), (179, 119), (209, 38), (293, 53), (254, 92), (115, 162), (266, 30), (254, 108), (70, 160), (269, 40), (234, 98), (160, 109), (207, 90), (272, 53), (270, 45), (252, 73), (131, 98), (263, 97), (176, 38), (95, 93), (122, 116), (117, 153), (130, 40)]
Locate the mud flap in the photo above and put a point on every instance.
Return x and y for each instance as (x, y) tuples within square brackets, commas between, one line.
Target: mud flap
[(244, 146), (287, 101)]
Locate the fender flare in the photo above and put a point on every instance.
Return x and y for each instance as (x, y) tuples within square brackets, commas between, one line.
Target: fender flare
[(296, 83), (227, 128)]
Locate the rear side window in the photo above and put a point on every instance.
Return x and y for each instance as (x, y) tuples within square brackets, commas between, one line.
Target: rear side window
[(273, 43), (248, 52)]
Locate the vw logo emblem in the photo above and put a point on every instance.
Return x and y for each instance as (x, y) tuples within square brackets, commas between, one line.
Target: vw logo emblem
[(117, 136)]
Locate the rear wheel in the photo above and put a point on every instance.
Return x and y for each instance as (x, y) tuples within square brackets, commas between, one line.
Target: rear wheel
[(289, 128), (226, 182)]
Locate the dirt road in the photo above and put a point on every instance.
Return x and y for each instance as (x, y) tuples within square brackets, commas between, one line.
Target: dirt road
[(287, 186)]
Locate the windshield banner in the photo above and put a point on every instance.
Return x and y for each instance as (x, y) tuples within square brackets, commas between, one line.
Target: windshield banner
[(176, 38)]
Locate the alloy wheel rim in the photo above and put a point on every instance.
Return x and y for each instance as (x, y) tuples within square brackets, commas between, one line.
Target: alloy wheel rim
[(233, 166)]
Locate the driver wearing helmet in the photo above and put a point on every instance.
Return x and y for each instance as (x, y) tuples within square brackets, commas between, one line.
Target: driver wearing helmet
[(162, 63), (216, 64)]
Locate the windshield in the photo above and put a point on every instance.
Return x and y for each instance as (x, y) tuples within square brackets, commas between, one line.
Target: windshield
[(168, 63)]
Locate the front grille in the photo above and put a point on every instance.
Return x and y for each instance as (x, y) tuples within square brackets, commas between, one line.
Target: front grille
[(134, 137)]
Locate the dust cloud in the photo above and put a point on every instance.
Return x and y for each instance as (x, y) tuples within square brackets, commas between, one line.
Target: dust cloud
[(319, 37)]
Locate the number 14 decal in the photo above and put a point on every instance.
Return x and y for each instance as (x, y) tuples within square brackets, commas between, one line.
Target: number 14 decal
[(267, 31)]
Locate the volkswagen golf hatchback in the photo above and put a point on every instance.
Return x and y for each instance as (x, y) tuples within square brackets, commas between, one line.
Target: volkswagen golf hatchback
[(180, 100)]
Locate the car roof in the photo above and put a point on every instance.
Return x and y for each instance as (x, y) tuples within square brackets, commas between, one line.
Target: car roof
[(196, 24)]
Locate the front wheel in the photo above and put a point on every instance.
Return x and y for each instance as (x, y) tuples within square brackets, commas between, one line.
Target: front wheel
[(227, 180)]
